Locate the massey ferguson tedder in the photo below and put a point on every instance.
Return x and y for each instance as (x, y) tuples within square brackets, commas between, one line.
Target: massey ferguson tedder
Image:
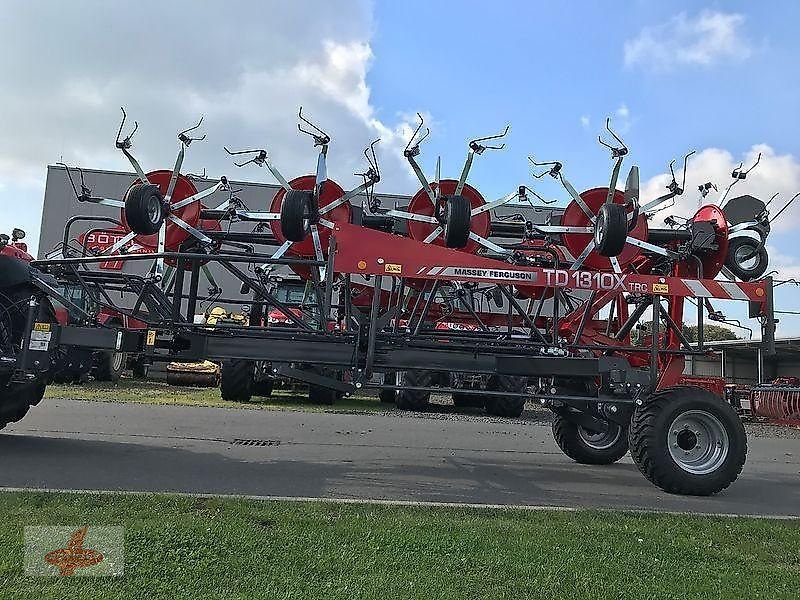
[(583, 314)]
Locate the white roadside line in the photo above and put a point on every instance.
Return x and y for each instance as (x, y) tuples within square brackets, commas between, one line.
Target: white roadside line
[(410, 503)]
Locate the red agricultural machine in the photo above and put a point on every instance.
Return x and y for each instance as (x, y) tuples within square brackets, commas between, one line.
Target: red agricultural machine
[(541, 311)]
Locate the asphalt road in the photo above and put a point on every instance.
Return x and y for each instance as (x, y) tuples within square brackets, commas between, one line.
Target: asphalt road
[(67, 444)]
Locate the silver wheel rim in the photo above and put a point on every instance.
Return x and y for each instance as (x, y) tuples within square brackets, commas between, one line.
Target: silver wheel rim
[(600, 440), (746, 257), (698, 442), (154, 210), (116, 361)]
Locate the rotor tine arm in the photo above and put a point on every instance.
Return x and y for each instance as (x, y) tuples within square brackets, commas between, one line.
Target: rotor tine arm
[(488, 244), (433, 235), (583, 256), (577, 197), (189, 229), (494, 203), (123, 241)]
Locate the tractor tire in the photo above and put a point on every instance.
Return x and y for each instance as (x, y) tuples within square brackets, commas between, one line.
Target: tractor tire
[(686, 440), (468, 400), (321, 395), (294, 212), (139, 368), (236, 380), (746, 259), (109, 366), (144, 208), (506, 406), (388, 396), (17, 398), (264, 387), (587, 447), (611, 229), (417, 400), (457, 221)]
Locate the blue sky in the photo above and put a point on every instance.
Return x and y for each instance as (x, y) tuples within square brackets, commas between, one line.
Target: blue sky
[(720, 78)]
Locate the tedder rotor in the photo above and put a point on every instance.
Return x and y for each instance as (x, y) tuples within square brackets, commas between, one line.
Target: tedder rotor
[(580, 309)]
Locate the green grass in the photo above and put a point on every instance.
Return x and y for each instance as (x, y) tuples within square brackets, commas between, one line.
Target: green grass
[(182, 547), (151, 392)]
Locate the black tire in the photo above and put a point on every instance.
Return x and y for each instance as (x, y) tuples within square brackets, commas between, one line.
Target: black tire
[(656, 436), (414, 399), (139, 368), (746, 259), (506, 406), (457, 221), (611, 229), (144, 208), (17, 398), (264, 387), (589, 447), (236, 380), (321, 395), (388, 396), (109, 366), (461, 400), (294, 211)]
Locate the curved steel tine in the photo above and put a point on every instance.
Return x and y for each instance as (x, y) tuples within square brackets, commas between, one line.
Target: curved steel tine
[(125, 142), (524, 196), (412, 147), (622, 149), (186, 139), (478, 147), (320, 137), (785, 206), (553, 171), (685, 164), (258, 159)]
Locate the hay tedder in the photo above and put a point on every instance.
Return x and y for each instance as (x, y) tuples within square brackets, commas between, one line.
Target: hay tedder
[(580, 309)]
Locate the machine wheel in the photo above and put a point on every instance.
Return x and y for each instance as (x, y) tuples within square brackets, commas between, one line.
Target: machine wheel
[(109, 366), (589, 447), (506, 406), (611, 229), (414, 399), (468, 400), (747, 259), (686, 440), (236, 380), (139, 368), (388, 396), (321, 395), (17, 398), (264, 387), (294, 212), (144, 208), (457, 226)]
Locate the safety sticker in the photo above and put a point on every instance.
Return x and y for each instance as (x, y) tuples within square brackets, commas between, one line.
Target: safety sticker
[(151, 337), (660, 288), (392, 268), (41, 326)]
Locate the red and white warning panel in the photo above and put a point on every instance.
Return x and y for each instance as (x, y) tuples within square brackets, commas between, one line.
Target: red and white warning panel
[(370, 252)]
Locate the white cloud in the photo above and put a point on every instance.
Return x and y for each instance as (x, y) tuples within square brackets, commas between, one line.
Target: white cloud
[(775, 173), (247, 76), (702, 40)]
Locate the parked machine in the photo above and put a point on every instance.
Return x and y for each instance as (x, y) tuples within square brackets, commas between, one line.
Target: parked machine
[(546, 311)]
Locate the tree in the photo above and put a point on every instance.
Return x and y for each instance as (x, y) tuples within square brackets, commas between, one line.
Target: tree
[(711, 333)]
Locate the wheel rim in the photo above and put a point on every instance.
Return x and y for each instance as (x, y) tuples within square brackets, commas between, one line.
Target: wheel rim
[(600, 440), (746, 257), (154, 209), (698, 442)]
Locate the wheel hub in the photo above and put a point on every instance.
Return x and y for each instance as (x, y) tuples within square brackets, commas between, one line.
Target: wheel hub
[(698, 442)]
